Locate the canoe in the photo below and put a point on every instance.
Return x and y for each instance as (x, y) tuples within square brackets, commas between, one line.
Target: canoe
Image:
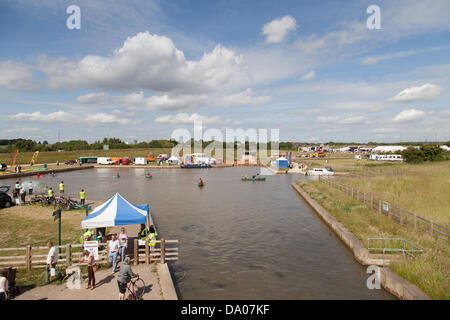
[(251, 179), (116, 176), (149, 177), (200, 184)]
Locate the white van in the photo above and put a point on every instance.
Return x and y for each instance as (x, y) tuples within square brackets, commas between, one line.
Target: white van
[(140, 161), (104, 161)]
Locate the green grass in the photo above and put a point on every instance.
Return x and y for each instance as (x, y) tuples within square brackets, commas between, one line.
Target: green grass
[(422, 189), (34, 225), (429, 270)]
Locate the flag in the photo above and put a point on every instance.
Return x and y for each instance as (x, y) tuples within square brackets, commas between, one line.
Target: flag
[(33, 159)]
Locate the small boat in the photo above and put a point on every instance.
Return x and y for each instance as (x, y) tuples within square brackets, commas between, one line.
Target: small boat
[(148, 176), (196, 165), (52, 175), (327, 171), (116, 176), (40, 175), (201, 184), (255, 179)]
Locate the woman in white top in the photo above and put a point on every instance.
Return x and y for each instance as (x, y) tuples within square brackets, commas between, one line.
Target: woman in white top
[(90, 260), (4, 286)]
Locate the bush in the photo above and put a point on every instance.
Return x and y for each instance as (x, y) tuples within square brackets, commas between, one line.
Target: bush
[(425, 153)]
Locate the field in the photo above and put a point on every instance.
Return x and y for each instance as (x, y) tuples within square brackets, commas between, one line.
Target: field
[(422, 189)]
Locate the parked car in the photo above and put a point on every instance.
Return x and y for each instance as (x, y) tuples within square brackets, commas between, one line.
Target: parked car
[(70, 162), (3, 167), (5, 200)]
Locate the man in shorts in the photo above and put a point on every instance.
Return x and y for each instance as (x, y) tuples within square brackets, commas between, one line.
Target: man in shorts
[(124, 277)]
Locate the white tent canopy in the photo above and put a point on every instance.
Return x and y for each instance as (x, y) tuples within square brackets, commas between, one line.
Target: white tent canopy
[(116, 212)]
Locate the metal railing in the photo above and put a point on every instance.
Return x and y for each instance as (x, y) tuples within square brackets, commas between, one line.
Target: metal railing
[(392, 245), (399, 215)]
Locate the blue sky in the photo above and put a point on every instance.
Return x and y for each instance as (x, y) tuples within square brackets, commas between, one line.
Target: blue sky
[(139, 70)]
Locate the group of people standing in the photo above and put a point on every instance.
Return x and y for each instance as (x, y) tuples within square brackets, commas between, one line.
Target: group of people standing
[(19, 192), (117, 246)]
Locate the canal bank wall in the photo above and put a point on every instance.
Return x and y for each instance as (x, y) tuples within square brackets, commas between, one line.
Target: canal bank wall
[(33, 173), (390, 281)]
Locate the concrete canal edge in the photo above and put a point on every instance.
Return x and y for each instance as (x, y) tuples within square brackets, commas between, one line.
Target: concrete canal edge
[(33, 173), (390, 281), (165, 276), (166, 283)]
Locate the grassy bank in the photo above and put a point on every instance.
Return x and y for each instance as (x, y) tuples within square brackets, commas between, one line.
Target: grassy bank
[(53, 156), (34, 225), (422, 189), (429, 270)]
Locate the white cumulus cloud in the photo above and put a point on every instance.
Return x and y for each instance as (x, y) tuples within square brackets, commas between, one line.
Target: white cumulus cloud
[(426, 92), (277, 29), (16, 76), (409, 115), (308, 76), (184, 118), (66, 117), (147, 61)]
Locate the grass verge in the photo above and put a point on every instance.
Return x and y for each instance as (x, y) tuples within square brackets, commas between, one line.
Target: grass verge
[(429, 270)]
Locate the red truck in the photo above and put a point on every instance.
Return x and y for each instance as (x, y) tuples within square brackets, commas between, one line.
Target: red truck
[(124, 161)]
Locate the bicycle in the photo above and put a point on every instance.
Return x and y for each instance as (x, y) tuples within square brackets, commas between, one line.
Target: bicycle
[(136, 289)]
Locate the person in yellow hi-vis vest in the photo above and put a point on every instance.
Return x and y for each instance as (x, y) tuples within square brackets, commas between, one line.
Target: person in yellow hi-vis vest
[(152, 238), (61, 188), (50, 195), (82, 196)]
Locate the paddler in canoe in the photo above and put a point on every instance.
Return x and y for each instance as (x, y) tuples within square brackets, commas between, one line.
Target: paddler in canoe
[(148, 175), (200, 183)]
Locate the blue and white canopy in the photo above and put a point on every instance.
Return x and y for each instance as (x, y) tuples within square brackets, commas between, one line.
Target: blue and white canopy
[(116, 212)]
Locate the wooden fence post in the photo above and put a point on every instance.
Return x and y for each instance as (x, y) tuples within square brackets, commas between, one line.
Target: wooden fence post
[(136, 252), (415, 221), (379, 206), (371, 202), (163, 251), (147, 252), (352, 194), (28, 258), (431, 227), (401, 216), (68, 255)]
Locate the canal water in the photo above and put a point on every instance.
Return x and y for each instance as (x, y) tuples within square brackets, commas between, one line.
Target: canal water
[(238, 240)]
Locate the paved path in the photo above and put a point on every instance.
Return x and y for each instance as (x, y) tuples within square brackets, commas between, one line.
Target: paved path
[(106, 283)]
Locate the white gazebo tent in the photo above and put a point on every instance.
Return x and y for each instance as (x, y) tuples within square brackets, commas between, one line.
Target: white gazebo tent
[(116, 212)]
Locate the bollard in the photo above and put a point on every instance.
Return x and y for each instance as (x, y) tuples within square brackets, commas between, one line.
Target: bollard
[(147, 252), (68, 255), (136, 252)]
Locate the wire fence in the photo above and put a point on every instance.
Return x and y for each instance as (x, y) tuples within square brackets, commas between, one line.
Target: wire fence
[(399, 215)]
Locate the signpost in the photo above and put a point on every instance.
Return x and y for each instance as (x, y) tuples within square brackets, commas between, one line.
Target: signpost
[(57, 215), (92, 246)]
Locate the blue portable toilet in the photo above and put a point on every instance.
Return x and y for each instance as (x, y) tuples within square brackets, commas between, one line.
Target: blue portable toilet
[(282, 163)]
